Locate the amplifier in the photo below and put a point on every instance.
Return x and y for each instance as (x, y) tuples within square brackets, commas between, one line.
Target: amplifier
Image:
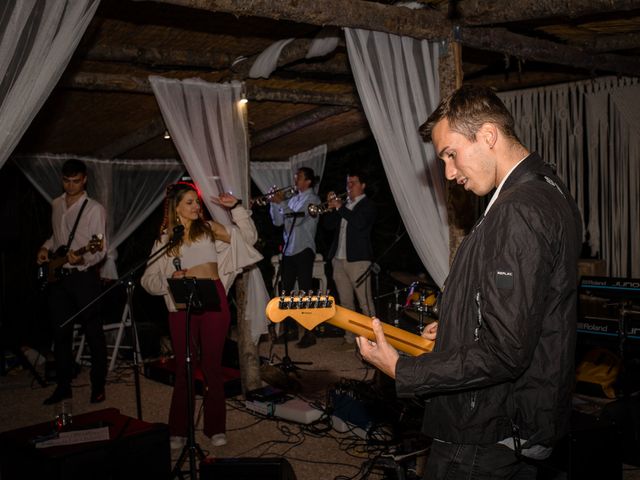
[(246, 469)]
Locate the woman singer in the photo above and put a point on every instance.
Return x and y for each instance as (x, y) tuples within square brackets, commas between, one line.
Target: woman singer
[(203, 251)]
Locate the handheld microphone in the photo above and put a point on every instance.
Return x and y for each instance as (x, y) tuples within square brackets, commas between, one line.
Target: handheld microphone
[(294, 215), (176, 264)]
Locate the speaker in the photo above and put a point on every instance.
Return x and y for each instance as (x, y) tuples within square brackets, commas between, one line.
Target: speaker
[(592, 449), (246, 469), (135, 450)]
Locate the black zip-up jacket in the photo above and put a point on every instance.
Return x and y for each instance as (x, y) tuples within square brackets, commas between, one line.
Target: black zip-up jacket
[(360, 222), (503, 361)]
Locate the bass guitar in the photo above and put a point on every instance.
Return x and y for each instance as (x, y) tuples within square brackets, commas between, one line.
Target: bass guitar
[(310, 311), (52, 271)]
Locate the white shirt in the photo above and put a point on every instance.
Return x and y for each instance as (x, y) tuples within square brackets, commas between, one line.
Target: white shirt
[(92, 222), (497, 192)]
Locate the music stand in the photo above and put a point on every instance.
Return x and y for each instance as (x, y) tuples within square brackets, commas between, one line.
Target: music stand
[(192, 294)]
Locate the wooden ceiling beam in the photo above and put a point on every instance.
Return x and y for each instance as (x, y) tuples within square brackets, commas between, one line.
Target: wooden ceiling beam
[(611, 43), (133, 84), (473, 12), (503, 82), (300, 96), (158, 57), (423, 24), (432, 25), (349, 139), (528, 48), (295, 123), (151, 130), (155, 57)]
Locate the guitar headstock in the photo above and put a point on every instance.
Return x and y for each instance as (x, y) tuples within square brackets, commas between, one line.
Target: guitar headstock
[(308, 310), (96, 244)]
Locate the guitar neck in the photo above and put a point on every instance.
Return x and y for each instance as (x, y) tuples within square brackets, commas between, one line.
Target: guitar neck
[(359, 324)]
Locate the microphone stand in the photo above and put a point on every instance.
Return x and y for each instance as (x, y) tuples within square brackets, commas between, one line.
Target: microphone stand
[(375, 268), (191, 448), (287, 365), (128, 281)]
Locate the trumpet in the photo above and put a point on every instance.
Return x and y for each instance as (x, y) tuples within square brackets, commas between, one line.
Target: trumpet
[(315, 209), (266, 198)]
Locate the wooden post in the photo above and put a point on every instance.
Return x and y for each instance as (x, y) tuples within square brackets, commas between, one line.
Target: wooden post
[(459, 202), (247, 350)]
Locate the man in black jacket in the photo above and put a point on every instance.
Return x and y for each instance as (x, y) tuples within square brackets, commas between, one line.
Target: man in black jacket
[(498, 383), (351, 251)]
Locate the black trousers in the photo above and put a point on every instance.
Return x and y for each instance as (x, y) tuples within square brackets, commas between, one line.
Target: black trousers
[(452, 461), (66, 297), (298, 267)]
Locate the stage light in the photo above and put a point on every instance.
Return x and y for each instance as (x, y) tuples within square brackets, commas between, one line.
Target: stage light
[(243, 99)]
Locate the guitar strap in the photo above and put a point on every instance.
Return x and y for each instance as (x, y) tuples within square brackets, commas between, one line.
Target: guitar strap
[(75, 225)]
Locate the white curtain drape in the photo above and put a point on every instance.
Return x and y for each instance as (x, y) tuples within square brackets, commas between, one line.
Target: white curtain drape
[(208, 125), (589, 129), (128, 189), (612, 109), (37, 39), (397, 81), (325, 42), (267, 174)]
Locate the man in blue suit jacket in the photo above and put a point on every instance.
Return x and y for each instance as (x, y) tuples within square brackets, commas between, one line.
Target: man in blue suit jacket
[(351, 251)]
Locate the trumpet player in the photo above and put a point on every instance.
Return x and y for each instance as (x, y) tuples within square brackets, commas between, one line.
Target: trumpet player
[(299, 251), (351, 251)]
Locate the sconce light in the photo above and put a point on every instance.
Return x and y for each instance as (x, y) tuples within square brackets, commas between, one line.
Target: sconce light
[(166, 135), (243, 99)]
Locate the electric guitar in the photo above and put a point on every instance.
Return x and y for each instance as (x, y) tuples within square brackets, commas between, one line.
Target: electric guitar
[(51, 271), (310, 311)]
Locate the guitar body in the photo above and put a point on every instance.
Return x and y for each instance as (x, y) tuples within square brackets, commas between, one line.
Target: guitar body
[(312, 311), (53, 267), (51, 271)]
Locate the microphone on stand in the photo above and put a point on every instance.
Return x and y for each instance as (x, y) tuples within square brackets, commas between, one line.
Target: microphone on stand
[(178, 231)]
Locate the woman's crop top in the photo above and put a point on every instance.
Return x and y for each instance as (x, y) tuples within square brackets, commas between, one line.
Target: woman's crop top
[(198, 252)]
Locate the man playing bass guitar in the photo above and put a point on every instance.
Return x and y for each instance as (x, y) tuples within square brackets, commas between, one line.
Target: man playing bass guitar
[(75, 219)]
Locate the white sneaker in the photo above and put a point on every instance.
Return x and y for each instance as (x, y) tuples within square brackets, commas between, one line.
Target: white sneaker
[(218, 440), (177, 442)]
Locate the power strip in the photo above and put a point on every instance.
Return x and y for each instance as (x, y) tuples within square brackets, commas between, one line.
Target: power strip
[(263, 408), (298, 411), (294, 410)]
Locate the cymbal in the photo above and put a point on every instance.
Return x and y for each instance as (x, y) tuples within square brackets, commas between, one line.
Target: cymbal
[(407, 278)]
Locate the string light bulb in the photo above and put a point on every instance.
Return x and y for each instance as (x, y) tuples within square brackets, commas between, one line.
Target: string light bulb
[(166, 135), (243, 99)]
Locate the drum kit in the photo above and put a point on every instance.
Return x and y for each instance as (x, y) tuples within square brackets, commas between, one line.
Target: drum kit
[(416, 300)]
